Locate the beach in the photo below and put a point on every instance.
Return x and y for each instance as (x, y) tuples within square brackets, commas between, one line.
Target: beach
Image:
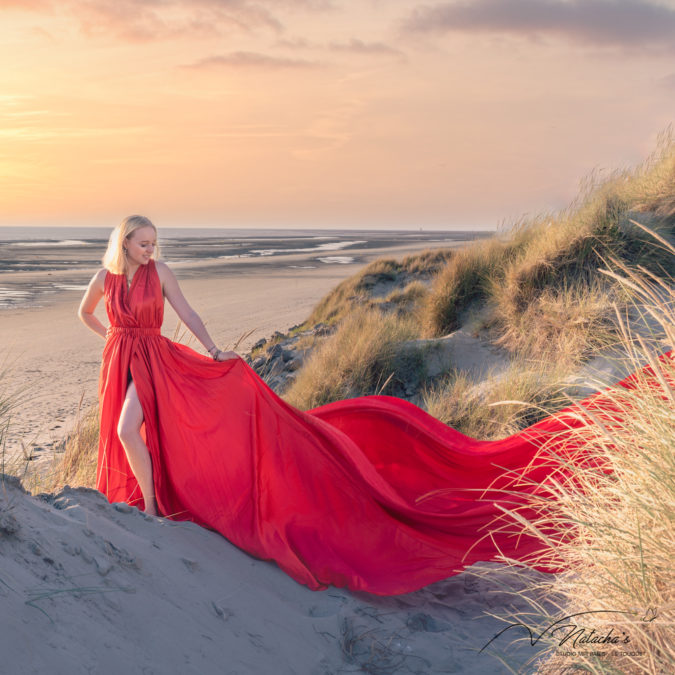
[(53, 359)]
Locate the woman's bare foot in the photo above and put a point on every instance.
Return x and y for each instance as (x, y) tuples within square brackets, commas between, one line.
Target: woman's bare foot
[(150, 506)]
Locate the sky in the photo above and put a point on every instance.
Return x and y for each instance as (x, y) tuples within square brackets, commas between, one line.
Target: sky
[(402, 114)]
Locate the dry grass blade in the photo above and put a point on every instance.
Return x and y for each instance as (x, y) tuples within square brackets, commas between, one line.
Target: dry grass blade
[(182, 334), (656, 236), (243, 337), (386, 382)]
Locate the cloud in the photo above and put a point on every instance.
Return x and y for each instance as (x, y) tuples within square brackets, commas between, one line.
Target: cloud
[(150, 20), (14, 99), (314, 5), (357, 46), (34, 5), (57, 134), (352, 46), (295, 43), (626, 23), (248, 60)]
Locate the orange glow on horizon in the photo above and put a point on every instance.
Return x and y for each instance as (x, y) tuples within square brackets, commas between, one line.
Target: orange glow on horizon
[(308, 116)]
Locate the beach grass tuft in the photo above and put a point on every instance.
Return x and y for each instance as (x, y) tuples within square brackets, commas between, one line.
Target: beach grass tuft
[(76, 466), (503, 404), (464, 280), (362, 356), (12, 397)]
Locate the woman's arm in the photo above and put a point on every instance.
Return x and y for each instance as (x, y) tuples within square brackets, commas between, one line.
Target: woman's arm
[(185, 313), (91, 297)]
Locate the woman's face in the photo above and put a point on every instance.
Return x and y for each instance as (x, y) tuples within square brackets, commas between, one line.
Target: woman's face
[(140, 245)]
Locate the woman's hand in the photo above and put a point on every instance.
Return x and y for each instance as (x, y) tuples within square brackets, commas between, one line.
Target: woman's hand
[(226, 356)]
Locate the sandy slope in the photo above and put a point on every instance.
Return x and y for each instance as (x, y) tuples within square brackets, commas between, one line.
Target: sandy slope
[(90, 587)]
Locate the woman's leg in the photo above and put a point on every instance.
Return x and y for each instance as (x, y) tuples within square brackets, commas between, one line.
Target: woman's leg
[(129, 432)]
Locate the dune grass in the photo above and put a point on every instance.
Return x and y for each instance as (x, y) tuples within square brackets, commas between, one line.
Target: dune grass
[(360, 358), (464, 280), (614, 513), (6, 405), (76, 466), (357, 290), (12, 397), (501, 405), (534, 278), (561, 325), (73, 462), (538, 286), (406, 300)]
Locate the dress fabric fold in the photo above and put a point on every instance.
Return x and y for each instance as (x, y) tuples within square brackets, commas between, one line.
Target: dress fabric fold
[(369, 493)]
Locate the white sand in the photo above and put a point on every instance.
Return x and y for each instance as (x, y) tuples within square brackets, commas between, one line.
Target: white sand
[(90, 587)]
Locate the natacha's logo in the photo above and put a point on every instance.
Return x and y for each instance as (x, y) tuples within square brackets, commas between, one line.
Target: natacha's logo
[(576, 635)]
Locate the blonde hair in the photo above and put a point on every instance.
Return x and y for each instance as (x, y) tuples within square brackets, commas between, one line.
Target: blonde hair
[(114, 259)]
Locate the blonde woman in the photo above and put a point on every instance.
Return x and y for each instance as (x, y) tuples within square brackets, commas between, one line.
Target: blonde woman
[(133, 253)]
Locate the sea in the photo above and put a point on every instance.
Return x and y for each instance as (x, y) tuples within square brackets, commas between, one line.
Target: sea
[(30, 255)]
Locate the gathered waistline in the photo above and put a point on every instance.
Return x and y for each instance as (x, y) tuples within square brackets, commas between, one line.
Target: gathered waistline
[(133, 330)]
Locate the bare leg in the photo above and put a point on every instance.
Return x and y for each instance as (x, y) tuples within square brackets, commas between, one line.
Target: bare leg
[(129, 432)]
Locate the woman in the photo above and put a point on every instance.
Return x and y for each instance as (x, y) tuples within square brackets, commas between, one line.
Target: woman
[(371, 493), (134, 244)]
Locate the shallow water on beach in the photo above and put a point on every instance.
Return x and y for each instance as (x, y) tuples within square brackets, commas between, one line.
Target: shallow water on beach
[(71, 253)]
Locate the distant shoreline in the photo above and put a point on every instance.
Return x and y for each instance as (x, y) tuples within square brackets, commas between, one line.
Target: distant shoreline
[(33, 271), (52, 233)]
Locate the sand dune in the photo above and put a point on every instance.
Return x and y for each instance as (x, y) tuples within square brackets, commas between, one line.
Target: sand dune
[(92, 587)]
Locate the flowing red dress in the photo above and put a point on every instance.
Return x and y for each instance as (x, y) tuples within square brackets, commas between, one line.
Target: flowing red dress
[(330, 494)]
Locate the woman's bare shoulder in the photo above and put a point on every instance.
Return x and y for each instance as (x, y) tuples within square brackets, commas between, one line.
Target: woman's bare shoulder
[(99, 277), (95, 289), (163, 270)]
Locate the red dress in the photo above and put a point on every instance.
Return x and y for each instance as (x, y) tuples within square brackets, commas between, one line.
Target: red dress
[(329, 494)]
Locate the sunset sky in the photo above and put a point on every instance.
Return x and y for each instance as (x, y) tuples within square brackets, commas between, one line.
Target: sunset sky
[(323, 113)]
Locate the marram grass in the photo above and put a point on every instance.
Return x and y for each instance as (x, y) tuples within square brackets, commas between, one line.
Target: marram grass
[(360, 358), (614, 517)]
